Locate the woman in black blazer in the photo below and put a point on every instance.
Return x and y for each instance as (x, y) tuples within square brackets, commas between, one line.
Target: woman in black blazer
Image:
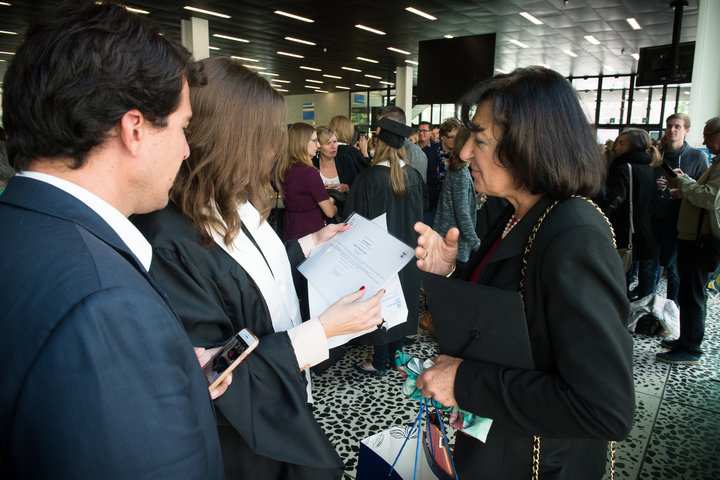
[(531, 144)]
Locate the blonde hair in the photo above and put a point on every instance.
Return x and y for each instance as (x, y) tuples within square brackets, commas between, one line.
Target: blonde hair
[(237, 135), (344, 128), (299, 135), (398, 177)]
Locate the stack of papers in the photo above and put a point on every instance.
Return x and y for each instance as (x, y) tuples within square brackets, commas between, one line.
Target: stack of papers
[(365, 254)]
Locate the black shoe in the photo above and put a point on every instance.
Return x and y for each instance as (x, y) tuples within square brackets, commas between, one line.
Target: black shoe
[(374, 372), (678, 357), (669, 344)]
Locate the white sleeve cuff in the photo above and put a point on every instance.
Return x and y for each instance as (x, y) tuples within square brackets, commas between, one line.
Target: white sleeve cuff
[(310, 343), (306, 243)]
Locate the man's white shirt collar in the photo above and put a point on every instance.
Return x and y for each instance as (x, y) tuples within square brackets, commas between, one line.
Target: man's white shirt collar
[(132, 237)]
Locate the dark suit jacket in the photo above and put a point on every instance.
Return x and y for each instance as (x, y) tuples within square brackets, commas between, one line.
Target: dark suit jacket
[(581, 393), (99, 379)]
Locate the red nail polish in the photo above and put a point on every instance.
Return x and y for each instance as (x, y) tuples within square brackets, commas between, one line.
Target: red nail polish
[(362, 288), (347, 224)]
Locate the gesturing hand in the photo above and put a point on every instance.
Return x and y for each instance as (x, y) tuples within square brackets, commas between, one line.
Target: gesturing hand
[(436, 254)]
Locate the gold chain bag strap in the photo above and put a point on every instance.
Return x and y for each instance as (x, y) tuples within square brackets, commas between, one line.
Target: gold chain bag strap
[(526, 253)]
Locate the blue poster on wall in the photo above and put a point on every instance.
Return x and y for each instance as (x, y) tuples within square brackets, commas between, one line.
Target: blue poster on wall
[(308, 111), (359, 98)]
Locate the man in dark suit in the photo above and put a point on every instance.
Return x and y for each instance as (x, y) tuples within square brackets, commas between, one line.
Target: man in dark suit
[(99, 380)]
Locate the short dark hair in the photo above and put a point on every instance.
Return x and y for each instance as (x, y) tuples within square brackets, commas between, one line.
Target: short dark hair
[(546, 141), (425, 123), (393, 113), (80, 68)]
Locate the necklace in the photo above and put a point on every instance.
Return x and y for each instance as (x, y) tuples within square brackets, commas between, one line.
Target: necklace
[(511, 223)]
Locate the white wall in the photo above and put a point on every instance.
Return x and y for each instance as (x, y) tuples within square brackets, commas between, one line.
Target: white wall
[(327, 105)]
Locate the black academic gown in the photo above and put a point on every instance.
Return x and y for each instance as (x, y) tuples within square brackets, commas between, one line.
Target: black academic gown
[(371, 196), (580, 393), (266, 427)]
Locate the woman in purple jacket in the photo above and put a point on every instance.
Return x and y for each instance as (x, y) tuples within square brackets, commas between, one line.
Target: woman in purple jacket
[(304, 195)]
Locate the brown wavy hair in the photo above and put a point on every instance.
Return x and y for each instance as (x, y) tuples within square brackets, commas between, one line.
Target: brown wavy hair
[(461, 138), (299, 135), (237, 136)]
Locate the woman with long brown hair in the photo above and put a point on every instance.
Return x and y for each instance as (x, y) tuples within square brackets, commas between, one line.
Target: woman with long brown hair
[(392, 187), (224, 269), (304, 196)]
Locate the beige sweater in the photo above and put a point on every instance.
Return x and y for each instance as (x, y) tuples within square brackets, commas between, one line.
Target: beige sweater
[(703, 193)]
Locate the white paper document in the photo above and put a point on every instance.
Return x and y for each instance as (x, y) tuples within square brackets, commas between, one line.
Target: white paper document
[(365, 255)]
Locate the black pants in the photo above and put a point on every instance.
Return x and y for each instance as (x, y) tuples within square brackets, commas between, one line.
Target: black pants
[(692, 299)]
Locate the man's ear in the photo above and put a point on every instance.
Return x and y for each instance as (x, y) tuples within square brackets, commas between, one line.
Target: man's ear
[(132, 130)]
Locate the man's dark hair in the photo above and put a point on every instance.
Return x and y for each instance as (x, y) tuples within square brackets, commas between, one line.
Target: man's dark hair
[(545, 139), (80, 68), (393, 113), (425, 123)]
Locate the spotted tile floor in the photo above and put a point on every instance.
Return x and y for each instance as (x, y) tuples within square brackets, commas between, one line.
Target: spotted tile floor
[(676, 433)]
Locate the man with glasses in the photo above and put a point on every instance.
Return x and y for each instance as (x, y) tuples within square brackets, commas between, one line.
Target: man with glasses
[(698, 197), (424, 134)]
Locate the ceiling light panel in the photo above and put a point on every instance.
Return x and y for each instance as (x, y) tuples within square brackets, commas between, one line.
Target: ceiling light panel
[(370, 29), (398, 50), (313, 69), (245, 59), (228, 37), (369, 60), (420, 13), (288, 54), (299, 40), (351, 69), (206, 12), (313, 81), (519, 43), (633, 23), (332, 76), (531, 18), (294, 17), (592, 39)]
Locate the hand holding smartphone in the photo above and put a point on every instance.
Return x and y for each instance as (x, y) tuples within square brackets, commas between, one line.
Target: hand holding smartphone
[(667, 170), (229, 357)]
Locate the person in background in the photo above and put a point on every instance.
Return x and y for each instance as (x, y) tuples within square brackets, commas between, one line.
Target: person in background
[(632, 148), (224, 269), (438, 155), (414, 156), (457, 206), (355, 151), (304, 196), (698, 196), (435, 134), (531, 144), (338, 173), (678, 154), (424, 135), (391, 187), (413, 137), (99, 379)]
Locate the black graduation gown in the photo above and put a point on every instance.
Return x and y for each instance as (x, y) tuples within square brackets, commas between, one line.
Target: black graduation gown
[(372, 195), (266, 427)]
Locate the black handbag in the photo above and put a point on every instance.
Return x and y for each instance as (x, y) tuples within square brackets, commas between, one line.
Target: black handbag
[(706, 254), (340, 199)]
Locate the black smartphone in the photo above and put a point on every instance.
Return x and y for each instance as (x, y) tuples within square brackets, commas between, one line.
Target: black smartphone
[(229, 357), (667, 169)]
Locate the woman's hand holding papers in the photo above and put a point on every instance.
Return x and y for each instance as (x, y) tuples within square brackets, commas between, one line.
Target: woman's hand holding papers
[(329, 231), (350, 315), (438, 381), (436, 254)]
